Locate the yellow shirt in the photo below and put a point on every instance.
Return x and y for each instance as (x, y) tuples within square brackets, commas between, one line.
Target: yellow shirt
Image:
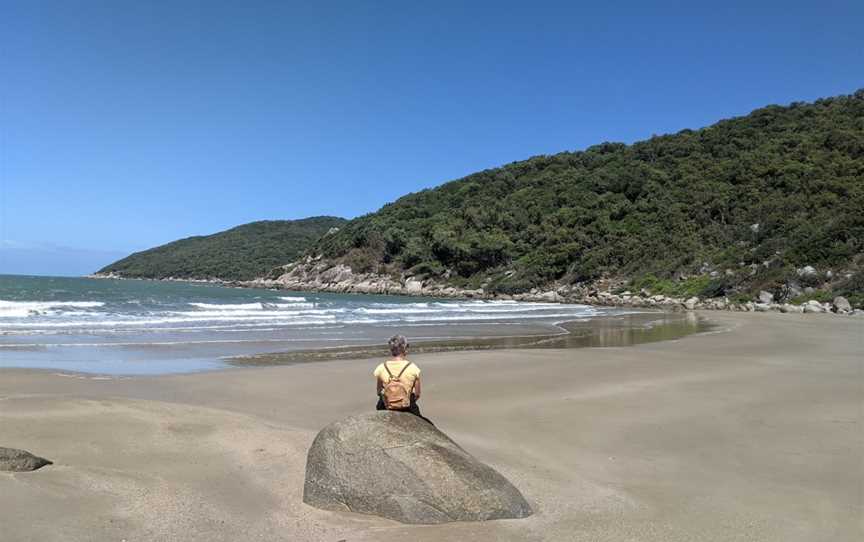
[(407, 379)]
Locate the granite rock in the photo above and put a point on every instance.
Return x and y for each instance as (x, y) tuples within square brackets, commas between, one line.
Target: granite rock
[(842, 305), (813, 307), (766, 297), (399, 466), (15, 460)]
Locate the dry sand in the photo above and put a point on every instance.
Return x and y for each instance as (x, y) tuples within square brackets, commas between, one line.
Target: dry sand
[(753, 432)]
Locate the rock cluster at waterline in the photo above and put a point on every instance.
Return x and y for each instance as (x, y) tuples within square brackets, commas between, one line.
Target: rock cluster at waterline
[(314, 274)]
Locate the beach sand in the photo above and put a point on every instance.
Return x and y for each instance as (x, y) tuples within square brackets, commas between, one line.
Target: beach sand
[(754, 431)]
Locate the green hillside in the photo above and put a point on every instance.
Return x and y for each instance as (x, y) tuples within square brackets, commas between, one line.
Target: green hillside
[(241, 253), (730, 209)]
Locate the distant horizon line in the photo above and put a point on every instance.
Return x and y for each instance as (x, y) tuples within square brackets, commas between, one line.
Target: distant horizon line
[(38, 275)]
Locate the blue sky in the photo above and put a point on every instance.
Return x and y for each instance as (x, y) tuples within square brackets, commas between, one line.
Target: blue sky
[(124, 125)]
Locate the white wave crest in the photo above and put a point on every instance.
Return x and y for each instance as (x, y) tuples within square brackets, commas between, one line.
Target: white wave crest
[(240, 307), (242, 314), (227, 306), (406, 310), (471, 307), (22, 309), (292, 299), (134, 323), (289, 306)]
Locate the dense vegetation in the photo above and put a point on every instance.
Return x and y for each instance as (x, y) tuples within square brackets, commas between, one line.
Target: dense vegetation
[(742, 205), (241, 253)]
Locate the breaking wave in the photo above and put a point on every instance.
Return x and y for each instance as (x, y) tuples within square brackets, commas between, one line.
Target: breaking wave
[(278, 312), (19, 309), (129, 325)]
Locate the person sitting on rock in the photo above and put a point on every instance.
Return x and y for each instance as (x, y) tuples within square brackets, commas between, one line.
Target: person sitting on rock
[(397, 380)]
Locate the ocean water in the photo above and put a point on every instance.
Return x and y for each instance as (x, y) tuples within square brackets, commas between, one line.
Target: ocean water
[(147, 327)]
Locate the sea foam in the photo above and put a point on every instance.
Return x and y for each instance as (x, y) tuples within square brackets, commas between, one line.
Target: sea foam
[(21, 309)]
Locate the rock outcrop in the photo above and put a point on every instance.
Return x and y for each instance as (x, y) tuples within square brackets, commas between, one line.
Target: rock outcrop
[(396, 465), (15, 460), (318, 275)]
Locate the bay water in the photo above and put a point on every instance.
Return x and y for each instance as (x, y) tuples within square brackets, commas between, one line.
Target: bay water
[(151, 327)]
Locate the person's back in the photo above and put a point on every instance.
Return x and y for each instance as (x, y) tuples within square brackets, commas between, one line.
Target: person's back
[(394, 376), (398, 376)]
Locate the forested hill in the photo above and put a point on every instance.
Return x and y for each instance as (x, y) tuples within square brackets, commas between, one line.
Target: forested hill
[(742, 205), (240, 253)]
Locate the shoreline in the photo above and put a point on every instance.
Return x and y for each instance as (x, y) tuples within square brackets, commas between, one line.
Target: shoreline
[(595, 332), (605, 330)]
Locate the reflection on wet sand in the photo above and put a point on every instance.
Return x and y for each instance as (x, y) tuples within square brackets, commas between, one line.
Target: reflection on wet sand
[(620, 330)]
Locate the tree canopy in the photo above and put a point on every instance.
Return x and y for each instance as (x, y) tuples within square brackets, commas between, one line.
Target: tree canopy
[(241, 253), (751, 199)]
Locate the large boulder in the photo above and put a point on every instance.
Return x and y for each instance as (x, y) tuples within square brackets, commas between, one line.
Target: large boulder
[(550, 296), (413, 286), (20, 460), (399, 466), (807, 271), (842, 305), (691, 303), (813, 306)]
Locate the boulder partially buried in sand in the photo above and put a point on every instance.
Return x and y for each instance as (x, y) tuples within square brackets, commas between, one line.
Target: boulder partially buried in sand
[(20, 460), (398, 466)]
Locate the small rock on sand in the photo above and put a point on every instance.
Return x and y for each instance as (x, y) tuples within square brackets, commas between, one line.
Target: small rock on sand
[(15, 460)]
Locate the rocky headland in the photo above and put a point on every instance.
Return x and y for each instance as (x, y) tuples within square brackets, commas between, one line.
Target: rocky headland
[(775, 226)]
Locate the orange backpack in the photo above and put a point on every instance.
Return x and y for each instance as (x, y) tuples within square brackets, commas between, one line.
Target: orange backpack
[(394, 393)]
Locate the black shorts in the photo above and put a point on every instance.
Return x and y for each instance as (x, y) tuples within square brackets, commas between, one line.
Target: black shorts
[(413, 408)]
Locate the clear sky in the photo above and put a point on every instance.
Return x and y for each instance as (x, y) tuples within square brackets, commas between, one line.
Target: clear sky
[(127, 124)]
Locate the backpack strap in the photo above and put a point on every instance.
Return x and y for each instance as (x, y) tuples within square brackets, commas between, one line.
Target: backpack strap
[(402, 371), (397, 377)]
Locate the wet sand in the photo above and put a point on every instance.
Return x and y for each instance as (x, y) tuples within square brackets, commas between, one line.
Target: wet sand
[(753, 431), (610, 330)]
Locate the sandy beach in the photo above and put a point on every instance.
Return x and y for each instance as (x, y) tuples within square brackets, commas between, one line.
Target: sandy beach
[(754, 431)]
